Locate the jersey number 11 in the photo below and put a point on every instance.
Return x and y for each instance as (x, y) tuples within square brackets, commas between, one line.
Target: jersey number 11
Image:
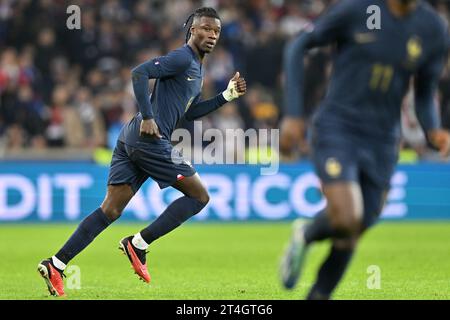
[(381, 77)]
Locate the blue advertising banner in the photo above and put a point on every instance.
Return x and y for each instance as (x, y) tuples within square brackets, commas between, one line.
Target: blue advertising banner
[(68, 191)]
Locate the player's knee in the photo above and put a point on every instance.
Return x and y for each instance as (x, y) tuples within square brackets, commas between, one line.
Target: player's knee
[(203, 198), (348, 243), (345, 221), (113, 213), (349, 225)]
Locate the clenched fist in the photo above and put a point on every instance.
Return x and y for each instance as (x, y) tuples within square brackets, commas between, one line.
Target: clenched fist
[(149, 127), (236, 87)]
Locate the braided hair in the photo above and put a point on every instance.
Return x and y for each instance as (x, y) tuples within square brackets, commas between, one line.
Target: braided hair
[(198, 13)]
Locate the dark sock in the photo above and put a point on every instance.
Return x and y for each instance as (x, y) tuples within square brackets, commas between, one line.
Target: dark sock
[(321, 229), (87, 230), (175, 214), (330, 273)]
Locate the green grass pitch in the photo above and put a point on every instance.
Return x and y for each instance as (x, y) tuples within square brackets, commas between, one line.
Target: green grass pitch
[(228, 261)]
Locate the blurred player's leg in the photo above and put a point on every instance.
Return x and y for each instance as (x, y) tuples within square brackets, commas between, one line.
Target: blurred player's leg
[(334, 266), (194, 200), (342, 216), (294, 256), (341, 220)]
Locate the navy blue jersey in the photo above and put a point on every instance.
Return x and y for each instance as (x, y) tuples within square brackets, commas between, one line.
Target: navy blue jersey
[(179, 80), (372, 69)]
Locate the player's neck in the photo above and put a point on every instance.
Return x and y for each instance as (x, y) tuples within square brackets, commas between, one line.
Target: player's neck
[(200, 55), (400, 9)]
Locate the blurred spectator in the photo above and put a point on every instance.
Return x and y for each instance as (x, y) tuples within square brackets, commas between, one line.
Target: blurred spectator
[(413, 136), (227, 118), (220, 68), (262, 110), (91, 120), (15, 136), (77, 125), (31, 113)]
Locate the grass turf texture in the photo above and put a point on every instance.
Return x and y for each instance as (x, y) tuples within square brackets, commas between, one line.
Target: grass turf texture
[(227, 261)]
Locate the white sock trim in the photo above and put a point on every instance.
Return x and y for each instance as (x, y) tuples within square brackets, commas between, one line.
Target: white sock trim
[(58, 263), (138, 242)]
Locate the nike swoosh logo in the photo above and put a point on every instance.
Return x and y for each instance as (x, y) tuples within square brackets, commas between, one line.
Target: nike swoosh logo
[(190, 79)]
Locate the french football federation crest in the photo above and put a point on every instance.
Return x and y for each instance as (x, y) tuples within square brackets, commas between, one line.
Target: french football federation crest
[(333, 167), (414, 49)]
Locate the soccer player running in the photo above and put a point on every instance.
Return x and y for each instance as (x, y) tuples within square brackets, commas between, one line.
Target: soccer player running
[(144, 149), (356, 131)]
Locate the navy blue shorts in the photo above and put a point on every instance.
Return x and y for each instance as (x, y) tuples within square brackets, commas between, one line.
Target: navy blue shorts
[(338, 157), (133, 166)]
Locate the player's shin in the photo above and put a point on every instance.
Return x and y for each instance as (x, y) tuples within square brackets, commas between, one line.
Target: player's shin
[(331, 272), (176, 213), (320, 229), (87, 230)]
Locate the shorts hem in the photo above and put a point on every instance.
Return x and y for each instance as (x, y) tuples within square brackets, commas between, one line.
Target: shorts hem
[(120, 183)]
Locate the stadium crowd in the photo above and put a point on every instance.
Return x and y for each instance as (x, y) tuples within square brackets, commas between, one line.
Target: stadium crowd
[(64, 88)]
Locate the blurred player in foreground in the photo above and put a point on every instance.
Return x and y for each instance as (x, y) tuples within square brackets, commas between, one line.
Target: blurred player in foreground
[(356, 131), (144, 149)]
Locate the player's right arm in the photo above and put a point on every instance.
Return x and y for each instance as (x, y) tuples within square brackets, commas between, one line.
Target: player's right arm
[(165, 66), (328, 29), (426, 83)]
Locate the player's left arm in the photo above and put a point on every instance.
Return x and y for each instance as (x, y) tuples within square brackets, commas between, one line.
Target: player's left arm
[(236, 87), (165, 66), (160, 67), (331, 27), (426, 83)]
